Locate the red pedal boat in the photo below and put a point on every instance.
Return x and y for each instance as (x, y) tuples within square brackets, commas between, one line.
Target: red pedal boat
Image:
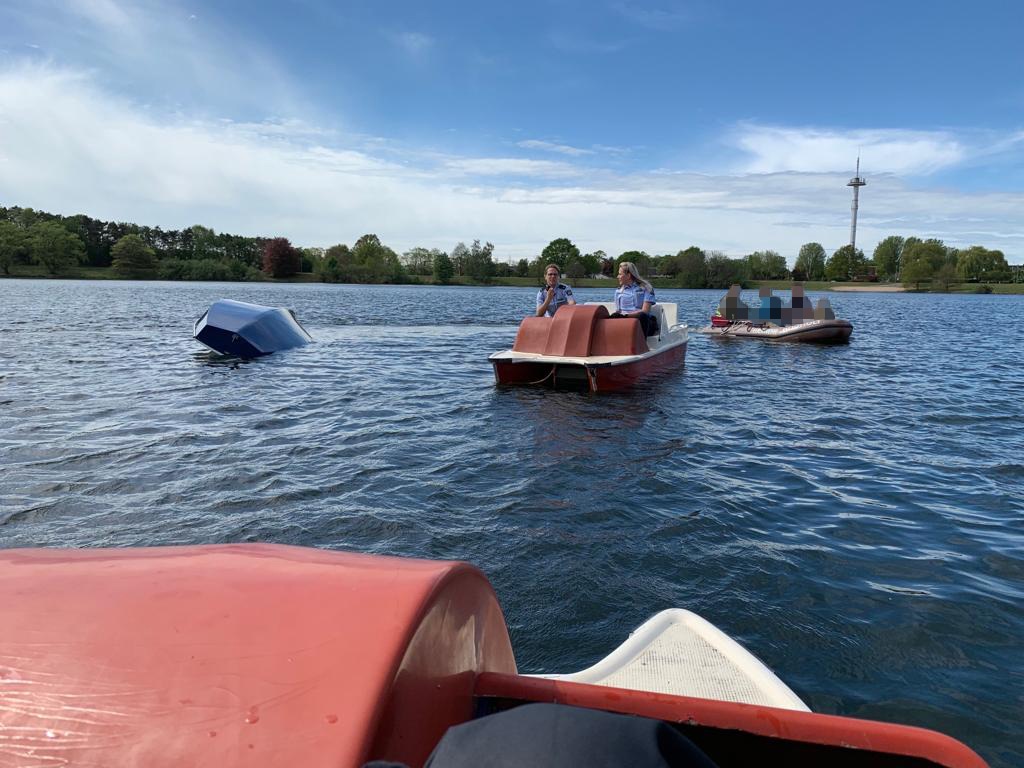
[(267, 656), (582, 346)]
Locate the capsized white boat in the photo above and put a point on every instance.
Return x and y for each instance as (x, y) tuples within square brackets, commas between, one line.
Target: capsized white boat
[(248, 330)]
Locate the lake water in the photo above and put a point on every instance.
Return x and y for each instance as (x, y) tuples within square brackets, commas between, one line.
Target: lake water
[(852, 514)]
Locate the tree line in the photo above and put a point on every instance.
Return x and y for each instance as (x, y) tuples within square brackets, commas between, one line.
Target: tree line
[(59, 243)]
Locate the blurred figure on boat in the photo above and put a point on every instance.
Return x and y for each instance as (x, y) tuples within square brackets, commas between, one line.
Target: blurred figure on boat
[(554, 294), (634, 298), (732, 307), (800, 309), (824, 310), (770, 310)]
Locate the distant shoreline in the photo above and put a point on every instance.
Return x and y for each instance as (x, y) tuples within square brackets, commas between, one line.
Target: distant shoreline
[(107, 274), (871, 288)]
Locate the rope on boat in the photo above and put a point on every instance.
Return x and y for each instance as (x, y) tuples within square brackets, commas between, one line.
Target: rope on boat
[(541, 381)]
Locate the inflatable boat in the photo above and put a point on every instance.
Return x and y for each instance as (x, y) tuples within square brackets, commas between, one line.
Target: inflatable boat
[(828, 330), (266, 655), (248, 330), (582, 346)]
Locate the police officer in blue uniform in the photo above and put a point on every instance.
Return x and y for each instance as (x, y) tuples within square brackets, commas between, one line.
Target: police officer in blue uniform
[(634, 297), (554, 294)]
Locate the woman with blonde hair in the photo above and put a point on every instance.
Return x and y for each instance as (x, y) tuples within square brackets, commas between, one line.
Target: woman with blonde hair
[(634, 297)]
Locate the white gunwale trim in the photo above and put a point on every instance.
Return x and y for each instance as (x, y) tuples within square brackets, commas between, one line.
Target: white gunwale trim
[(643, 636)]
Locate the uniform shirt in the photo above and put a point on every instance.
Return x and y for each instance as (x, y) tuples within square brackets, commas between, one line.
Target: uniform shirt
[(631, 298), (562, 295)]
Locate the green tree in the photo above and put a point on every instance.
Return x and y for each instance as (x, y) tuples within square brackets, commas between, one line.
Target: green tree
[(479, 265), (54, 247), (131, 257), (376, 262), (766, 265), (917, 264), (844, 263), (887, 256), (933, 251), (523, 268), (810, 262), (945, 276), (592, 262), (559, 251), (723, 271), (419, 261), (336, 265), (690, 267), (459, 258), (982, 265), (310, 257), (641, 259), (205, 244), (444, 270), (13, 245)]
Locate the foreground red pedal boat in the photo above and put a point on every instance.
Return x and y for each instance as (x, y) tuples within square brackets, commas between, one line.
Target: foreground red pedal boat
[(268, 655), (582, 346)]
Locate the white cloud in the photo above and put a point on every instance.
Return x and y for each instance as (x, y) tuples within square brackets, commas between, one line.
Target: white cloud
[(658, 19), (547, 146), (510, 166), (574, 42), (413, 43), (152, 48), (773, 149), (106, 14), (68, 146)]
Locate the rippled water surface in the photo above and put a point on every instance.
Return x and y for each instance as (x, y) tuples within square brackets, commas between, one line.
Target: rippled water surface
[(852, 514)]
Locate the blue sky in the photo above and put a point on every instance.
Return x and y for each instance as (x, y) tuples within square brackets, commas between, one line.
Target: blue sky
[(729, 125)]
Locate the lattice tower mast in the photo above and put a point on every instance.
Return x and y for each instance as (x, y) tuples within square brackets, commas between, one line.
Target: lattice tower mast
[(856, 182)]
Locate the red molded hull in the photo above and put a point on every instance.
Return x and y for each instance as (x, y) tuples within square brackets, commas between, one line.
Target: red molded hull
[(597, 377)]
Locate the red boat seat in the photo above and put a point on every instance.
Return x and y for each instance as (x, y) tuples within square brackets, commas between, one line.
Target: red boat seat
[(580, 331), (253, 654), (532, 335), (619, 336)]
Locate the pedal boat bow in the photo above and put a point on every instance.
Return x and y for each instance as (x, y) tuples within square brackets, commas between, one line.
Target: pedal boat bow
[(264, 655)]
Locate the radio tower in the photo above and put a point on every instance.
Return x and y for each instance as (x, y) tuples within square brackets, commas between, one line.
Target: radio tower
[(856, 182)]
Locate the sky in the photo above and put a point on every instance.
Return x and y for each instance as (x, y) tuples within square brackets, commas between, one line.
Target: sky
[(733, 126)]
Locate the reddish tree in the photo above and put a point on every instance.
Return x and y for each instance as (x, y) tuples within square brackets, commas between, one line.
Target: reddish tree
[(280, 259)]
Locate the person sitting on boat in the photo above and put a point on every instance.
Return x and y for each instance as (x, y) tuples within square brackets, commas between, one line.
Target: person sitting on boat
[(634, 298), (554, 294), (801, 306), (770, 310), (732, 307), (824, 310)]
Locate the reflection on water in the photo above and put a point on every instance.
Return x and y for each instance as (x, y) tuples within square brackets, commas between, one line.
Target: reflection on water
[(852, 514)]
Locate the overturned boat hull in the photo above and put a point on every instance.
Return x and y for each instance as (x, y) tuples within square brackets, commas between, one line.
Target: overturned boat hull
[(836, 331), (248, 330)]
